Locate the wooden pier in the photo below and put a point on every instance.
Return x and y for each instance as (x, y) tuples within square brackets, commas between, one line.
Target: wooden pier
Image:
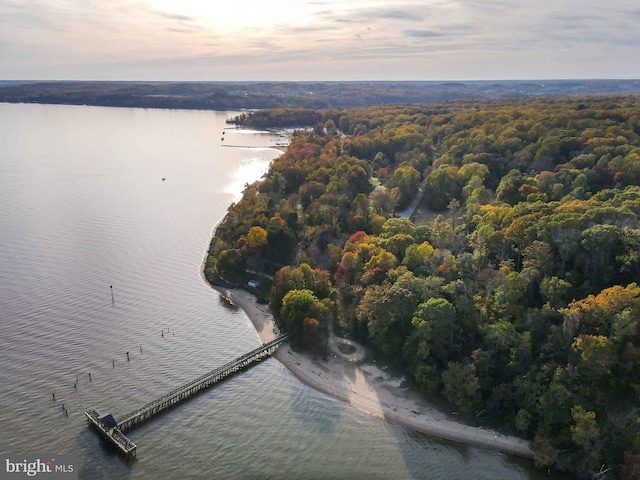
[(107, 425), (113, 429)]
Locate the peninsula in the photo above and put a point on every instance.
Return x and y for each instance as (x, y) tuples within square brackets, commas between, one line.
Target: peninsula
[(511, 291)]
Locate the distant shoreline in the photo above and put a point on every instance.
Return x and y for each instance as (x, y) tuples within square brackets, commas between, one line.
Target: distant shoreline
[(236, 96)]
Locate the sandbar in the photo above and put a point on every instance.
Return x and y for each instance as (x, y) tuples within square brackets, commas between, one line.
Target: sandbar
[(370, 388)]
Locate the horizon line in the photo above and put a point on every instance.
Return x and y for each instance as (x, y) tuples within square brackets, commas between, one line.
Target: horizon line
[(590, 79)]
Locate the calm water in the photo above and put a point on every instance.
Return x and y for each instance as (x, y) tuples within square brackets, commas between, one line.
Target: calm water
[(83, 206)]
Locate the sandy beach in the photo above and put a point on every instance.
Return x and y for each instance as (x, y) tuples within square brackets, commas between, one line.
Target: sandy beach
[(351, 379)]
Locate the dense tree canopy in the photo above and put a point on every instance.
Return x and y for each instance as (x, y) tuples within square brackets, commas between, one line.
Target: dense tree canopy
[(513, 293)]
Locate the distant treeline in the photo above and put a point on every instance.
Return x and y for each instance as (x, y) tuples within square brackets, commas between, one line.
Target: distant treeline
[(188, 96), (312, 95)]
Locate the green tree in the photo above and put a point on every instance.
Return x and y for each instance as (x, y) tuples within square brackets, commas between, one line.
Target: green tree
[(435, 321), (302, 277), (509, 189), (597, 355), (554, 290), (602, 242), (303, 316), (398, 244), (404, 182), (387, 313), (586, 434), (417, 258), (231, 263), (442, 186), (461, 386), (395, 226)]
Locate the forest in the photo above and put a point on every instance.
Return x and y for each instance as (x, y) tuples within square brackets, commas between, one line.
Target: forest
[(513, 291), (315, 95)]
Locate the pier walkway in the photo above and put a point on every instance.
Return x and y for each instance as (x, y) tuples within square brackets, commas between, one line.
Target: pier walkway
[(113, 429)]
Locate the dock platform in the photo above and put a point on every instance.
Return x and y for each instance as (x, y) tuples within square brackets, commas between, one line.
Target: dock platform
[(107, 425)]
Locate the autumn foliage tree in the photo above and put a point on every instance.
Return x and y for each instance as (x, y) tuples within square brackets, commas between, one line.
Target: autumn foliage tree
[(305, 317), (518, 303)]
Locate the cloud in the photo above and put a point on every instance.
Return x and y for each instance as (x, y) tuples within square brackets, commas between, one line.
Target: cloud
[(318, 37), (177, 17), (371, 12), (410, 14), (18, 15), (425, 34)]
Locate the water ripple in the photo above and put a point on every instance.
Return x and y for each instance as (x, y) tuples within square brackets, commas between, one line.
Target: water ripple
[(83, 208)]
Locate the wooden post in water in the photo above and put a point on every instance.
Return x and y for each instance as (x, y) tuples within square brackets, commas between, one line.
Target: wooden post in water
[(112, 299), (127, 356)]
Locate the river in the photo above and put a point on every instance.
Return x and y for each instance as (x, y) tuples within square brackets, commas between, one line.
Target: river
[(100, 201)]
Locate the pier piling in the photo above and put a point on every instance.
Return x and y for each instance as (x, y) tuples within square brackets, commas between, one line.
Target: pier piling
[(113, 429)]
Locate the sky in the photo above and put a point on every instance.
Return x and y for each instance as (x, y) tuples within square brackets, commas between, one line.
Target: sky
[(306, 40)]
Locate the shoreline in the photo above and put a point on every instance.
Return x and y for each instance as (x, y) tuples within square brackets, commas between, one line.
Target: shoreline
[(369, 388)]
